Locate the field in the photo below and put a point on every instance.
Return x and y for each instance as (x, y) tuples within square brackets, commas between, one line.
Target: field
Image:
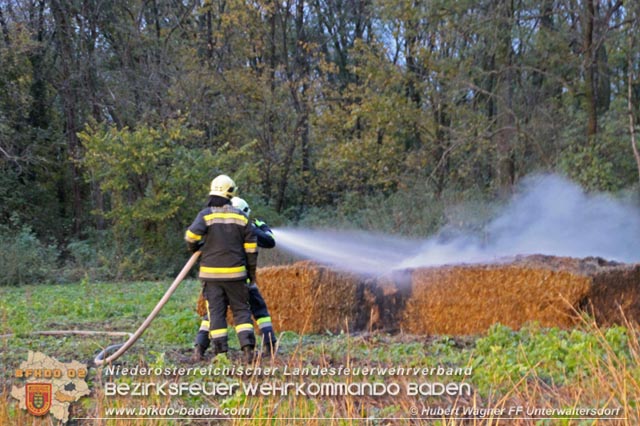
[(488, 375)]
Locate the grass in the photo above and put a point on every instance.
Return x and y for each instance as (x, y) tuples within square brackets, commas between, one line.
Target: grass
[(588, 367)]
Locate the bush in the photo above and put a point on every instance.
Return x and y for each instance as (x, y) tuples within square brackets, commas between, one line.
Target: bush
[(26, 260), (101, 256), (91, 258)]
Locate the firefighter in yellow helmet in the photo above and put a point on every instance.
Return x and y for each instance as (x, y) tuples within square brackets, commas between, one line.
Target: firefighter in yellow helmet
[(229, 257), (257, 303)]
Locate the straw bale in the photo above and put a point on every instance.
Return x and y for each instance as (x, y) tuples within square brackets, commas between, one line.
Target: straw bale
[(310, 298), (552, 291), (462, 299), (201, 305), (469, 299), (615, 295)]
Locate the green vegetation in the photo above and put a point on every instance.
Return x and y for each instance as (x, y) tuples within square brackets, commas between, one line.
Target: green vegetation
[(114, 116), (379, 115), (24, 258), (547, 368)]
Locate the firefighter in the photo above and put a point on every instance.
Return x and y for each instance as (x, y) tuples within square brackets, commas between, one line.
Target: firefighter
[(229, 258), (256, 301)]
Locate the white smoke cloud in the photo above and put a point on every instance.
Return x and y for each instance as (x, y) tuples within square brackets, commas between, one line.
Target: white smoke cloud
[(548, 215)]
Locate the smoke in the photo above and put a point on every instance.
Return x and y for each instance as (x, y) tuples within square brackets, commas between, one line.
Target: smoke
[(548, 215)]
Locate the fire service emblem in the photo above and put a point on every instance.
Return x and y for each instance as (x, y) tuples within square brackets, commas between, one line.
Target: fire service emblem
[(38, 398)]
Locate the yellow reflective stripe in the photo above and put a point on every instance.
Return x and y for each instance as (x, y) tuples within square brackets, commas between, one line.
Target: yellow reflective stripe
[(237, 218), (233, 276), (263, 320), (204, 325), (191, 237), (250, 247), (226, 216), (221, 332), (244, 327), (234, 272), (215, 270)]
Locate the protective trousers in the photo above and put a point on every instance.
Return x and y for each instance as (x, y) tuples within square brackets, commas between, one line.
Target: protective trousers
[(219, 294), (259, 311), (202, 338), (261, 314)]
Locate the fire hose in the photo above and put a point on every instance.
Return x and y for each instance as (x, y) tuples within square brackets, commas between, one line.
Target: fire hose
[(123, 347)]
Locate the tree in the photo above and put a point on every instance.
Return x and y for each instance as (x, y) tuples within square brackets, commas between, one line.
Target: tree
[(152, 183), (632, 82)]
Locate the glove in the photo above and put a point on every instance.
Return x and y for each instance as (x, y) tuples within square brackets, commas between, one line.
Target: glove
[(259, 223)]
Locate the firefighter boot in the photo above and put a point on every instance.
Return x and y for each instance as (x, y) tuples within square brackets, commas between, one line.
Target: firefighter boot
[(219, 347), (198, 353)]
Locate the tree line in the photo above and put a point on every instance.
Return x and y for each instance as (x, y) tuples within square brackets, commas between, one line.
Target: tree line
[(114, 115)]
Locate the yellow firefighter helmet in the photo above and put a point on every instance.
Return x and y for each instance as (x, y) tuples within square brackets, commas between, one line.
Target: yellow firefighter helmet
[(223, 186)]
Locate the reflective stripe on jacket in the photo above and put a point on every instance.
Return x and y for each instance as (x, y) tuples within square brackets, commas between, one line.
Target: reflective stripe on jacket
[(230, 248)]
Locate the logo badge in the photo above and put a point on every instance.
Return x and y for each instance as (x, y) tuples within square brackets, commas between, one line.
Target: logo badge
[(38, 400)]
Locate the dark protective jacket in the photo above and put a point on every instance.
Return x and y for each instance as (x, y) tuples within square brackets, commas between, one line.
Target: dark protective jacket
[(259, 310), (264, 235), (230, 251)]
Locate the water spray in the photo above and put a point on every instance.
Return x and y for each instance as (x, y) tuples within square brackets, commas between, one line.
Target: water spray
[(355, 251), (549, 215)]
